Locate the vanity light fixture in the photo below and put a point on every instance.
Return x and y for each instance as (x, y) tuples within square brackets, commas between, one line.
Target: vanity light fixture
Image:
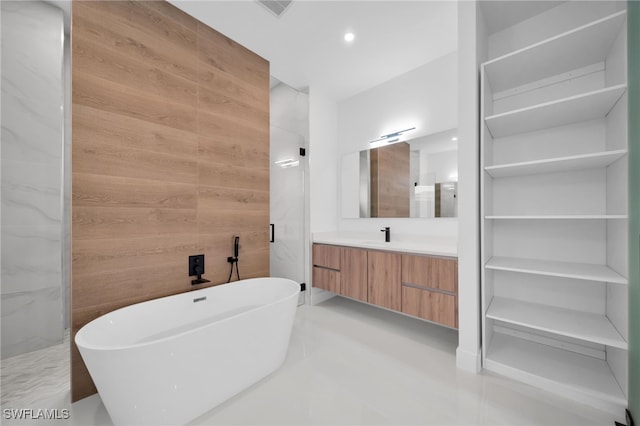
[(390, 137)]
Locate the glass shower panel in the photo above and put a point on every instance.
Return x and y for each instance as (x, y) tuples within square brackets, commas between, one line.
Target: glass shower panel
[(287, 205)]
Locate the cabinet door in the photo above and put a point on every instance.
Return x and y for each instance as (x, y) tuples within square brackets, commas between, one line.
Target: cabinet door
[(326, 279), (430, 305), (430, 272), (327, 256), (384, 279), (353, 273)]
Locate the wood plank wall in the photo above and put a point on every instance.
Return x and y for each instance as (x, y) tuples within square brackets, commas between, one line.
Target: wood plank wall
[(170, 157), (391, 181)]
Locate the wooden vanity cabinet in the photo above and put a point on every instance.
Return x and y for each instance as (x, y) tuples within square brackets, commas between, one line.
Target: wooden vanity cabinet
[(326, 267), (353, 273), (418, 285), (384, 279), (430, 288)]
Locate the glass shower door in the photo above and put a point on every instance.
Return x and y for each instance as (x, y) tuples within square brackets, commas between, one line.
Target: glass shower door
[(287, 205)]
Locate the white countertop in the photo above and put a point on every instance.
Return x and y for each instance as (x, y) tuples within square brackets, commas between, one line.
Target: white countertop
[(436, 246)]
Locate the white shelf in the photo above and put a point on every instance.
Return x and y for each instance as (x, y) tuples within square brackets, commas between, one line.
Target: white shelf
[(556, 82), (558, 217), (574, 109), (569, 374), (565, 52), (580, 271), (559, 164), (577, 324)]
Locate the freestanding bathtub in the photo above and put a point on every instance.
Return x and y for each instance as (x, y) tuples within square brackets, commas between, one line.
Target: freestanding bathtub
[(169, 360)]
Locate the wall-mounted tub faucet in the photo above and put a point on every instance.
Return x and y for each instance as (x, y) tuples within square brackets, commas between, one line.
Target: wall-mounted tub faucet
[(196, 267), (387, 234)]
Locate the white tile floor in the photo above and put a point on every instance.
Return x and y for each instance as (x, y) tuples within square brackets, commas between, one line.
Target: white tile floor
[(353, 364)]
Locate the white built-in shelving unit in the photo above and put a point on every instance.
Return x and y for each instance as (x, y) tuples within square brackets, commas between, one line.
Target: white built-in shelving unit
[(554, 207)]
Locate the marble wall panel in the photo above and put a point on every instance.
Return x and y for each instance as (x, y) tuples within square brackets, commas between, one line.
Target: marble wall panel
[(31, 176), (31, 320)]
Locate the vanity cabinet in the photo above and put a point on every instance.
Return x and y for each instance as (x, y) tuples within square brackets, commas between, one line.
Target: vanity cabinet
[(326, 267), (384, 279), (353, 271), (422, 286), (430, 288)]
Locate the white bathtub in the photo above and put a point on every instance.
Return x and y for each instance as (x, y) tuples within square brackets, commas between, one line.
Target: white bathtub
[(169, 360)]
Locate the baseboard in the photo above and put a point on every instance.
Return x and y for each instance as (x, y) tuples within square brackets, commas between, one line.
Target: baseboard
[(468, 361)]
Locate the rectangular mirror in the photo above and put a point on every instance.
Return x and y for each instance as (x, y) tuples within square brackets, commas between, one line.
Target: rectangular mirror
[(413, 178)]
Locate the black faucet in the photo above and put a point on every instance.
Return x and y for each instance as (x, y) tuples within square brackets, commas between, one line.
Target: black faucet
[(387, 234)]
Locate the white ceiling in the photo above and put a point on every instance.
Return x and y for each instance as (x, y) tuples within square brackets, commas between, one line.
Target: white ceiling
[(305, 46)]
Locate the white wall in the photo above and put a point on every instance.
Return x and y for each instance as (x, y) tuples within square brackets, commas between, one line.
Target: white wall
[(323, 162), (425, 98), (323, 174), (472, 51)]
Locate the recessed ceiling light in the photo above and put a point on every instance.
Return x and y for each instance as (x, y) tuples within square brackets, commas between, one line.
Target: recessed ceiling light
[(349, 37), (455, 138)]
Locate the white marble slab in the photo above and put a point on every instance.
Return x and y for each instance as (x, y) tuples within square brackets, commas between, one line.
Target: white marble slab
[(31, 51), (31, 258), (30, 376), (31, 320), (32, 147), (436, 246), (31, 194), (31, 130)]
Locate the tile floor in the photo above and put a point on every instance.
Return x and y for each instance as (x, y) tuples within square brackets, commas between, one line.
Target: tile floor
[(353, 364)]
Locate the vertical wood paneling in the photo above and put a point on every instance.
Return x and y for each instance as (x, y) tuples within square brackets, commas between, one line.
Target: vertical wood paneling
[(390, 181), (170, 157)]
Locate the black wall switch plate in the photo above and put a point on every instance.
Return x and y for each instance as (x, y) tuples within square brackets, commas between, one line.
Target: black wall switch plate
[(196, 265)]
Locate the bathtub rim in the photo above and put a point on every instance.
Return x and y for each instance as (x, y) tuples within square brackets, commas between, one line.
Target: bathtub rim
[(183, 333)]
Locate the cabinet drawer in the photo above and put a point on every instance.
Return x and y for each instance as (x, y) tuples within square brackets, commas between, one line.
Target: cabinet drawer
[(430, 272), (430, 305), (326, 279), (326, 256)]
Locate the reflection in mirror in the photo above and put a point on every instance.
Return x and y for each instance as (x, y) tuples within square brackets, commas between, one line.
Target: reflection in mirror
[(414, 178)]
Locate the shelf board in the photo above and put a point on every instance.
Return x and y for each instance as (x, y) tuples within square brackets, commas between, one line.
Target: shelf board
[(569, 374), (558, 164), (564, 322), (558, 216), (565, 52), (574, 109), (579, 271)]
